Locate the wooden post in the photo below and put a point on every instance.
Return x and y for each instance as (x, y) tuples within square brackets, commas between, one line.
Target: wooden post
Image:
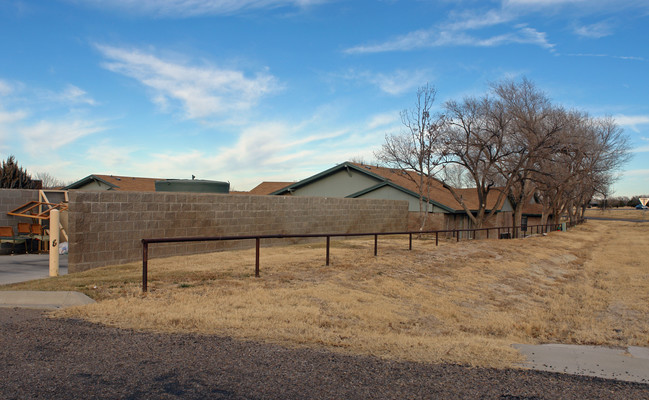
[(55, 219)]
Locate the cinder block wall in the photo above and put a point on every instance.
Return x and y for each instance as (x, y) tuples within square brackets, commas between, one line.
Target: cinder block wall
[(434, 221), (11, 199), (106, 227)]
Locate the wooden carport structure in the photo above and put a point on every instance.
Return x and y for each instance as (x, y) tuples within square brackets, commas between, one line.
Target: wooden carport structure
[(41, 209)]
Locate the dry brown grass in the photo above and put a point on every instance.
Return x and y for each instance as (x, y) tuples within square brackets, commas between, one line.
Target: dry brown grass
[(628, 213), (460, 302)]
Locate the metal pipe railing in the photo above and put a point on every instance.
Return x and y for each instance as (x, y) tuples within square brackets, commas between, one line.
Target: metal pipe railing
[(455, 233)]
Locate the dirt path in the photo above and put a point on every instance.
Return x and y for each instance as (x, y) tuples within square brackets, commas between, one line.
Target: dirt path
[(64, 358)]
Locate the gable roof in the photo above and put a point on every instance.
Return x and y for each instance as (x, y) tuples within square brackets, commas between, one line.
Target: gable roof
[(119, 183), (404, 181), (401, 189), (268, 187), (438, 193)]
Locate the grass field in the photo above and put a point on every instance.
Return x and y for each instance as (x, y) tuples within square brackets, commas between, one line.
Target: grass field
[(627, 213), (460, 302)]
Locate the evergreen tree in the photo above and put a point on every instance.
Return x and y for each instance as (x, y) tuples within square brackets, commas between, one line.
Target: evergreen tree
[(14, 177)]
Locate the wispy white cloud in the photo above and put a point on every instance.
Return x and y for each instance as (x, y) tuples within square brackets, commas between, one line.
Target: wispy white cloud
[(73, 94), (263, 149), (636, 173), (383, 120), (575, 8), (172, 164), (203, 91), (472, 20), (468, 28), (595, 31), (70, 95), (541, 3), (21, 131), (456, 33), (266, 150), (632, 121), (268, 144), (394, 83), (36, 97), (7, 117), (45, 136), (5, 88), (109, 156), (642, 148), (398, 82), (632, 58), (190, 8)]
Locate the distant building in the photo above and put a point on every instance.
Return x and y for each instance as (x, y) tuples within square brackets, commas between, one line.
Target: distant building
[(354, 180), (133, 184), (113, 182)]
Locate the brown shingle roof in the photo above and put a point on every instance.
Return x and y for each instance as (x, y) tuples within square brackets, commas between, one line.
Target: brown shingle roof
[(120, 183), (268, 187), (130, 183), (533, 209), (438, 193)]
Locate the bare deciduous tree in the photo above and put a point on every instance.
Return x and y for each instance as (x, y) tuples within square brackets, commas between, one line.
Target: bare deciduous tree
[(535, 131), (455, 175), (583, 164), (511, 142), (49, 181), (475, 137), (417, 148)]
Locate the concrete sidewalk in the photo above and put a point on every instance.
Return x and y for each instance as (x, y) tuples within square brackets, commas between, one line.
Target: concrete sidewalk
[(27, 267), (42, 300), (627, 364)]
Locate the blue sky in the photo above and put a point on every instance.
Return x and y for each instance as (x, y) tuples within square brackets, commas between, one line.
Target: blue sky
[(252, 90)]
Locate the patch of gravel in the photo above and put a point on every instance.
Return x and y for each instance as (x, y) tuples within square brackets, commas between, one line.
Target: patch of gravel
[(74, 359)]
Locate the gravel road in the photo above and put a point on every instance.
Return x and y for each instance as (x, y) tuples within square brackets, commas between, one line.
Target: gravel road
[(73, 359)]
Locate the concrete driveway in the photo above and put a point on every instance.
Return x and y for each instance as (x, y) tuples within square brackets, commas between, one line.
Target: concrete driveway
[(27, 267)]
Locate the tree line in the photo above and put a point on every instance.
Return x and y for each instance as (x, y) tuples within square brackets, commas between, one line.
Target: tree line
[(620, 201), (512, 142)]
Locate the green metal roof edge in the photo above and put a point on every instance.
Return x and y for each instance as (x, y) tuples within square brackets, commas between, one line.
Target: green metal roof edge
[(87, 179), (402, 189), (326, 173)]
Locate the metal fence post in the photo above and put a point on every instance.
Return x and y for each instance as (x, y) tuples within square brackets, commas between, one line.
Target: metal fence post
[(145, 256), (376, 244), (257, 257), (327, 263)]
